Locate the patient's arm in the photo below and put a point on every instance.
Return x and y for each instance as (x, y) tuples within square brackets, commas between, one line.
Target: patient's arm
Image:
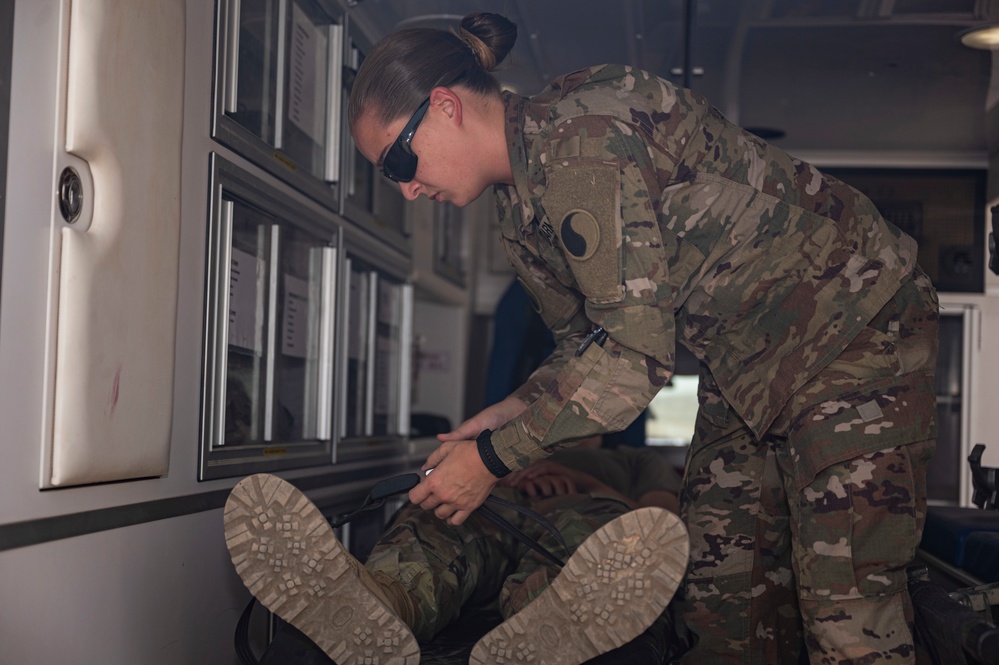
[(547, 478)]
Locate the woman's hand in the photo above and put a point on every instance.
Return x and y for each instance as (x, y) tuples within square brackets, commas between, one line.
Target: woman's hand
[(459, 482)]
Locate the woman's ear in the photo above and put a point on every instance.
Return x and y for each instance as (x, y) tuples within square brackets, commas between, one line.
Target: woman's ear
[(448, 101)]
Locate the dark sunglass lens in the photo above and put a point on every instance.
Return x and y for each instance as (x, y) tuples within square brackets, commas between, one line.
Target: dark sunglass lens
[(399, 165), (400, 162)]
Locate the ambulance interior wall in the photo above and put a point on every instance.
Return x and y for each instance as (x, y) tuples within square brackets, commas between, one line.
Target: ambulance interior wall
[(158, 590)]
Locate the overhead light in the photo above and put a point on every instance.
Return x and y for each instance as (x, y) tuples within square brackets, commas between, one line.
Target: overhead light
[(984, 37)]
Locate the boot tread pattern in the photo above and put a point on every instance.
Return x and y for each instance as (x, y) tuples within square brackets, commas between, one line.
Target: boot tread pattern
[(291, 561), (612, 588)]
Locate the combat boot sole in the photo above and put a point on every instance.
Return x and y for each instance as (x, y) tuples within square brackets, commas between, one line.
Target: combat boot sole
[(291, 561), (612, 588)]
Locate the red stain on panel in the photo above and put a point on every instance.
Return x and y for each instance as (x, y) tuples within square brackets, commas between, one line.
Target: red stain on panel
[(113, 397)]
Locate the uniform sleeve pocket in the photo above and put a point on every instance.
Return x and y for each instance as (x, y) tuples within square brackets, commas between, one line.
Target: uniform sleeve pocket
[(582, 207)]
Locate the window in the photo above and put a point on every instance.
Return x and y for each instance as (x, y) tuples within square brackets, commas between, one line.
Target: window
[(278, 89), (943, 209), (270, 321), (371, 200), (378, 324)]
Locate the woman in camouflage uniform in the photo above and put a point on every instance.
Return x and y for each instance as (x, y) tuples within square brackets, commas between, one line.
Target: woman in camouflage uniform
[(638, 217)]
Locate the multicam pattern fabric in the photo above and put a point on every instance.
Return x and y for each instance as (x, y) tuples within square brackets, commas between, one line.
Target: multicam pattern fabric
[(638, 208), (749, 585), (448, 570), (777, 534)]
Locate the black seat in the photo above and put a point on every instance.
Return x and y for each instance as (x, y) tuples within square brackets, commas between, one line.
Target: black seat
[(957, 626)]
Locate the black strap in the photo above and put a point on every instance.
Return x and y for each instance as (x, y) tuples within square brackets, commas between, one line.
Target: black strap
[(382, 490), (489, 514), (376, 499), (242, 636), (484, 444)]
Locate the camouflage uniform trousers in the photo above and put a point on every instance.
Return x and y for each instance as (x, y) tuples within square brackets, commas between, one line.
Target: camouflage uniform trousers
[(445, 568), (805, 534)]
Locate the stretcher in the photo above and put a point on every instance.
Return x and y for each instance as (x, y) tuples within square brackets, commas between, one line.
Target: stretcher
[(453, 646)]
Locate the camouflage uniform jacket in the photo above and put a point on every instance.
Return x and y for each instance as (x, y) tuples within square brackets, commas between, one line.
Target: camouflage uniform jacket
[(638, 208)]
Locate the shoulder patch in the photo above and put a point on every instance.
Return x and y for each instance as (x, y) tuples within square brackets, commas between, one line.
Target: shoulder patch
[(583, 205), (580, 234)]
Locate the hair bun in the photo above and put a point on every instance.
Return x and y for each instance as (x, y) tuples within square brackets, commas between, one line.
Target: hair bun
[(489, 36), (483, 56)]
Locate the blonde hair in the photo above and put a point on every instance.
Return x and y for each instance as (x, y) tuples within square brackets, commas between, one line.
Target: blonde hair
[(485, 55)]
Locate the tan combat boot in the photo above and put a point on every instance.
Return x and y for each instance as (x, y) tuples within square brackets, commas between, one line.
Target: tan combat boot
[(615, 585), (289, 558)]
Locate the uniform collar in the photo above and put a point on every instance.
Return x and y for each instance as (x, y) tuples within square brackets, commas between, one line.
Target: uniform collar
[(520, 192)]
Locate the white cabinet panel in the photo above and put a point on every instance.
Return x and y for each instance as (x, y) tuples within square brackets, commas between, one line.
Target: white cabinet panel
[(118, 266)]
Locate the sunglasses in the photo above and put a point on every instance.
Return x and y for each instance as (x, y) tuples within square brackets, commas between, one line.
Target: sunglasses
[(399, 164)]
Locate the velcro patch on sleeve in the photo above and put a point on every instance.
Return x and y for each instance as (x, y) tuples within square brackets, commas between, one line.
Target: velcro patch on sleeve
[(583, 207)]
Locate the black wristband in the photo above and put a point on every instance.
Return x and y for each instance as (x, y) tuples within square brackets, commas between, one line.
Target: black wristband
[(489, 457)]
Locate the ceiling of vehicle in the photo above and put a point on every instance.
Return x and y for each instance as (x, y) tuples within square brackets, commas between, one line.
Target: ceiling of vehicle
[(859, 82)]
